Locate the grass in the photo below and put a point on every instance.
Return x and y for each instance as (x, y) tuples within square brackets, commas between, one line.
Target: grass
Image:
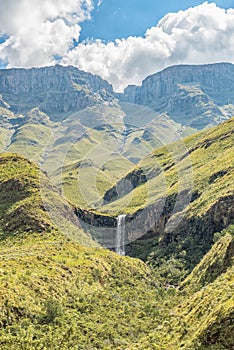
[(29, 203), (57, 293), (30, 141), (199, 162), (61, 293), (203, 317), (200, 166), (99, 133)]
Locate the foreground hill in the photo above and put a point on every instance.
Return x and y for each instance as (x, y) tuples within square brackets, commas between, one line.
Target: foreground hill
[(56, 293), (203, 318), (30, 204)]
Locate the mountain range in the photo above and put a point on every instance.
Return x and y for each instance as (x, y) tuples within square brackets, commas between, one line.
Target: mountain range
[(197, 96), (65, 119), (75, 157)]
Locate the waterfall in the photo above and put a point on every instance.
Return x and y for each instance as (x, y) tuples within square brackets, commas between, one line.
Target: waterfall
[(120, 235)]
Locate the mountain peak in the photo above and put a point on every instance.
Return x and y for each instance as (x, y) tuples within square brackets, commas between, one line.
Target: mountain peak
[(55, 89), (162, 93)]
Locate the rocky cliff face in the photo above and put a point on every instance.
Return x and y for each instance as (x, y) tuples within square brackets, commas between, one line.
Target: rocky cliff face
[(195, 96), (53, 89), (192, 95), (193, 232)]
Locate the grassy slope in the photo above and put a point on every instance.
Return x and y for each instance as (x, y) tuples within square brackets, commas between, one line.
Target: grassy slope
[(30, 204), (101, 137), (208, 313), (100, 134), (56, 293), (6, 131), (205, 169), (216, 262), (208, 153), (87, 136), (84, 182), (203, 317)]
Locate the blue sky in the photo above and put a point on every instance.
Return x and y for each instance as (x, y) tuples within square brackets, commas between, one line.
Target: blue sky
[(122, 18), (123, 41)]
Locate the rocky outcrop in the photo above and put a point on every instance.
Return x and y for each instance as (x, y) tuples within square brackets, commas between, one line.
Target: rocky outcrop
[(102, 228), (125, 185), (53, 89), (197, 96), (95, 219), (191, 95), (152, 223), (129, 94), (192, 232), (217, 80)]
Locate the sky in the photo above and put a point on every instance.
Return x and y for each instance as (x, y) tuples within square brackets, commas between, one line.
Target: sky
[(123, 41), (122, 18)]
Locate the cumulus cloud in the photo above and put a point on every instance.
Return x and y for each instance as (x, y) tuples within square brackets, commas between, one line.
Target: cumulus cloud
[(39, 30), (202, 34)]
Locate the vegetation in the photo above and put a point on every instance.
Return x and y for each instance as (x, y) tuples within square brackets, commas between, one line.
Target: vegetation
[(30, 204), (197, 156), (60, 290), (199, 168), (55, 291), (103, 136), (203, 318)]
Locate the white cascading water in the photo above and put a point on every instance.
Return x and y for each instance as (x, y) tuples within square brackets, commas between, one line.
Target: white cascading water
[(120, 235)]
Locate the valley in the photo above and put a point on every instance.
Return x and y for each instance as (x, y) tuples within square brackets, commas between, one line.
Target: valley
[(116, 210), (69, 121)]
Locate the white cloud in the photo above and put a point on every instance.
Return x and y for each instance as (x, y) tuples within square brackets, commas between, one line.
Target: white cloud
[(201, 34), (39, 29)]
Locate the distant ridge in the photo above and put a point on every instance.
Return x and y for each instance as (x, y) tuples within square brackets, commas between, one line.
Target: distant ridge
[(194, 95)]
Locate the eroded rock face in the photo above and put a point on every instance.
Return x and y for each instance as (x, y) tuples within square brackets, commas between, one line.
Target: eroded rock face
[(96, 220), (53, 89), (192, 95), (192, 233), (125, 185), (195, 96), (102, 228), (151, 224)]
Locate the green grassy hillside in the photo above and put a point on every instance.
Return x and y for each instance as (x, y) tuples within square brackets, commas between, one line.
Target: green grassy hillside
[(54, 292), (107, 135), (216, 262), (192, 182), (58, 294), (203, 317), (30, 204), (198, 156)]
